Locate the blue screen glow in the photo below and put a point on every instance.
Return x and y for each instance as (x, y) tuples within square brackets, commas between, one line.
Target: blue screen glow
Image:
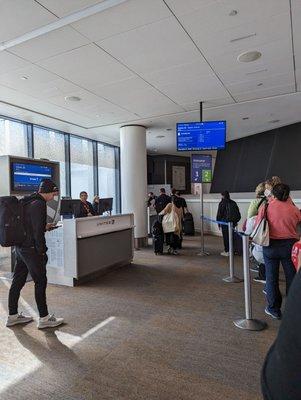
[(27, 177), (194, 136)]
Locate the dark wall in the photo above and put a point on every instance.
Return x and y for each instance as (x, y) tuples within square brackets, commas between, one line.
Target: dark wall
[(246, 162), (156, 169)]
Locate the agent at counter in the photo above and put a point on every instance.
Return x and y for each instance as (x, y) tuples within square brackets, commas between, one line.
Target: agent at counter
[(86, 208)]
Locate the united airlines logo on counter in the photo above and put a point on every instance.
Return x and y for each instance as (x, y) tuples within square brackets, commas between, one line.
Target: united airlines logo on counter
[(109, 222)]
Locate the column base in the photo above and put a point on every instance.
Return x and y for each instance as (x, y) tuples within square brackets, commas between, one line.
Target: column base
[(140, 242)]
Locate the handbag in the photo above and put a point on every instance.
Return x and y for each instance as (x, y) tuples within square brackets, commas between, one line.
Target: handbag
[(261, 233), (169, 222)]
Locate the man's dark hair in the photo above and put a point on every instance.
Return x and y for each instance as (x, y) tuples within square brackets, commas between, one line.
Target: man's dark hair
[(47, 186), (226, 194), (162, 190), (173, 191), (151, 193), (176, 201), (281, 191), (298, 229), (83, 192)]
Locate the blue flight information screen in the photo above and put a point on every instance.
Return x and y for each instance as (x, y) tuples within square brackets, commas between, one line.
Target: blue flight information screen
[(195, 136), (27, 177)]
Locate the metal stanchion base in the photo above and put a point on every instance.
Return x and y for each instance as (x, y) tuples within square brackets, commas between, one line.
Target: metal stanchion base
[(203, 253), (250, 324), (232, 279)]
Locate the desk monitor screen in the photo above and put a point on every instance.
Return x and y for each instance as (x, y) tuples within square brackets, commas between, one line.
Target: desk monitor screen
[(27, 177), (70, 207), (105, 205), (197, 136)]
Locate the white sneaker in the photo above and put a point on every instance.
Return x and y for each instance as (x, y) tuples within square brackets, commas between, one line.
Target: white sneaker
[(50, 321), (224, 254), (18, 319)]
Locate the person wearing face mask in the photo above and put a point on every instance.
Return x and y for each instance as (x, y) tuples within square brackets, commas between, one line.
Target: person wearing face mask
[(269, 184), (31, 256)]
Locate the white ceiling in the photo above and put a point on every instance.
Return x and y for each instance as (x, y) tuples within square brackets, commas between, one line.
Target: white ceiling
[(151, 62)]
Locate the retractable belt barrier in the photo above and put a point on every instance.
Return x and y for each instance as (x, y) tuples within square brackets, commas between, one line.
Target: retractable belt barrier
[(248, 323)]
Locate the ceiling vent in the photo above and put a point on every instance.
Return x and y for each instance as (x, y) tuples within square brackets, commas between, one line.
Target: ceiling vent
[(72, 98), (249, 56)]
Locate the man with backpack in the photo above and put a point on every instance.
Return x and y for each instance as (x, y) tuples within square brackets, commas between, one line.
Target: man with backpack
[(162, 201), (228, 211), (31, 257)]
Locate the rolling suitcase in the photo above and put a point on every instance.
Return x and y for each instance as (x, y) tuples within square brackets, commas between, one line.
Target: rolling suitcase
[(188, 224), (158, 237)]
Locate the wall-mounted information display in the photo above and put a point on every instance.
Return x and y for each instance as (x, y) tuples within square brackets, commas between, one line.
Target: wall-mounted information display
[(27, 177), (201, 168), (196, 136)]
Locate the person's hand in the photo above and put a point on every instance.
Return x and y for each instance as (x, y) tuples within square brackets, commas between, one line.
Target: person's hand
[(50, 226)]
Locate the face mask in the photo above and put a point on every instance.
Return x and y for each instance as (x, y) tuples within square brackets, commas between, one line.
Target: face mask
[(56, 198), (267, 192)]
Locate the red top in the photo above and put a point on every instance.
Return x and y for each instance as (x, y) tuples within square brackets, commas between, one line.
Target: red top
[(295, 254), (283, 217)]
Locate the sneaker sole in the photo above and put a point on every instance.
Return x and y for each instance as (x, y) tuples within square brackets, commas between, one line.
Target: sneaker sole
[(50, 326), (8, 324), (271, 315)]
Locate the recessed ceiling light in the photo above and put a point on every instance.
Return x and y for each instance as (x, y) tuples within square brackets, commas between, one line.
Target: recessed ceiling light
[(274, 121), (245, 118), (24, 78), (249, 56), (160, 136), (233, 13), (72, 98)]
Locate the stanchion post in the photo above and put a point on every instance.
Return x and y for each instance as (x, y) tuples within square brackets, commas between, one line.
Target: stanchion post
[(248, 323), (231, 278), (202, 252)]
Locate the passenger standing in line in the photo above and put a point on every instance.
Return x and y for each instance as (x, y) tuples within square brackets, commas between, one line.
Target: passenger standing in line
[(162, 201), (173, 239), (258, 201), (86, 208), (31, 257), (228, 211), (151, 199), (282, 216)]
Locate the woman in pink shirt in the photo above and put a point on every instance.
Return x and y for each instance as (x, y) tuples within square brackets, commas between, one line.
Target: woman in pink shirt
[(282, 216)]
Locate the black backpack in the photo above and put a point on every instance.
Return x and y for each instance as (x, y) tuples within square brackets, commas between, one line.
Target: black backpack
[(12, 230), (232, 212)]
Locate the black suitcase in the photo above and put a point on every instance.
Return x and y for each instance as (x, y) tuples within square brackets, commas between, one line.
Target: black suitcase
[(188, 224), (237, 244), (158, 237)]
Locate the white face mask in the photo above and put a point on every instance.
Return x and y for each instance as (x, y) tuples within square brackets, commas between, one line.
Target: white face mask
[(56, 198), (267, 192)]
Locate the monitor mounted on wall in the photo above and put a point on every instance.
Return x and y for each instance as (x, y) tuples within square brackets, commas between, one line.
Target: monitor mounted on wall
[(26, 177)]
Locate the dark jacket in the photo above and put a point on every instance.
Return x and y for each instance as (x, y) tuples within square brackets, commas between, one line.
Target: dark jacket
[(228, 211), (84, 210), (35, 219), (281, 373), (161, 202)]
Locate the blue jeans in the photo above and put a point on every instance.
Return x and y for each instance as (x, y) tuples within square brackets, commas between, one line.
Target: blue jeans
[(278, 250)]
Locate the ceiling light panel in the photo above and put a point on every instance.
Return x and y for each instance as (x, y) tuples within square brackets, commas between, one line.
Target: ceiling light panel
[(135, 13), (48, 45), (19, 17)]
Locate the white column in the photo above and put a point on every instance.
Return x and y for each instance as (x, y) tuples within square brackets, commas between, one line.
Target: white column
[(133, 171)]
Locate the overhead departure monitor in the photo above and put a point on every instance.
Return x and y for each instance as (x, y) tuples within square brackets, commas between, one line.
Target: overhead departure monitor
[(197, 136), (26, 177)]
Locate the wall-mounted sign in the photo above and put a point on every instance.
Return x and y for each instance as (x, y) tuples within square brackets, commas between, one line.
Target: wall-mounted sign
[(201, 168)]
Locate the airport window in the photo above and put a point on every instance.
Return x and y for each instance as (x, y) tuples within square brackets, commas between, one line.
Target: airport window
[(107, 177), (81, 167), (51, 145), (13, 138)]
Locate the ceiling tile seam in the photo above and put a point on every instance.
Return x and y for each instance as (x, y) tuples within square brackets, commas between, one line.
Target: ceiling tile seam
[(262, 99), (293, 43), (10, 51), (42, 114), (123, 32), (87, 90), (138, 75), (47, 9), (200, 51), (61, 22)]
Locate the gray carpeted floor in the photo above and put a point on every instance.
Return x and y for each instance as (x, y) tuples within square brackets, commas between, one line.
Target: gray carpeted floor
[(159, 329)]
